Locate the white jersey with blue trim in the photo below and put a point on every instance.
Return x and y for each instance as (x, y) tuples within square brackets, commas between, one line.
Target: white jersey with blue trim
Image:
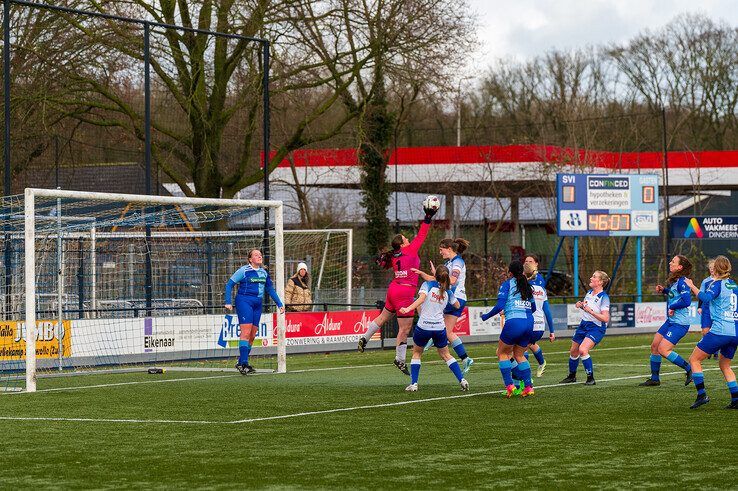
[(457, 269), (599, 302), (539, 317), (431, 310)]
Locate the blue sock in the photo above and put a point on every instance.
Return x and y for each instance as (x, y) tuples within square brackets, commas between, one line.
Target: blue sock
[(655, 367), (539, 356), (414, 370), (458, 346), (515, 371), (699, 383), (455, 368), (525, 371), (505, 370), (526, 354), (587, 363), (678, 360), (733, 388), (244, 348), (573, 364)]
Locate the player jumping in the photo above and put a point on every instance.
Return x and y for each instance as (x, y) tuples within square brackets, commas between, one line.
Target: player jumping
[(401, 292)]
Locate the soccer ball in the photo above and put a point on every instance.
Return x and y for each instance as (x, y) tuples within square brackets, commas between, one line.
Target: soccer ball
[(432, 202)]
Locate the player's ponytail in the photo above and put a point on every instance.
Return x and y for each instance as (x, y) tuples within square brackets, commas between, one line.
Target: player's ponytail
[(458, 245), (516, 270), (443, 279), (385, 258)]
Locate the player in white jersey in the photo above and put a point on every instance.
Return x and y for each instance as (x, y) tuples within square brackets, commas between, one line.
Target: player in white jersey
[(595, 316), (451, 250), (433, 298)]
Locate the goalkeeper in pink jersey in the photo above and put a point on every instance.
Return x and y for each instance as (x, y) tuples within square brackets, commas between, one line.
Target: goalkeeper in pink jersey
[(402, 258)]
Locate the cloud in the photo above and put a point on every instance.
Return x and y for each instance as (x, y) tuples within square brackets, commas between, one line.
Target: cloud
[(527, 28)]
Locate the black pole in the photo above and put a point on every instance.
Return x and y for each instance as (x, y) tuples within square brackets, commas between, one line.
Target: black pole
[(147, 108), (667, 217), (266, 144), (80, 279), (6, 88), (56, 161), (209, 272), (149, 287), (6, 154)]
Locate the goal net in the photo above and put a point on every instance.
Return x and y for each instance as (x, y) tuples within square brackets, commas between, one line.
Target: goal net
[(97, 282)]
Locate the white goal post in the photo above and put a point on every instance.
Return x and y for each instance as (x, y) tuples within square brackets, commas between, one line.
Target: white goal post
[(30, 260)]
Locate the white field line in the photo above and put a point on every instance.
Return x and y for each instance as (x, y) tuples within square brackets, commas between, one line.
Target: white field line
[(305, 370), (309, 413), (547, 353), (118, 384), (431, 399)]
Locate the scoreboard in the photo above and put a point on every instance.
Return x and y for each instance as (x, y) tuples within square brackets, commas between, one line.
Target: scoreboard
[(607, 205)]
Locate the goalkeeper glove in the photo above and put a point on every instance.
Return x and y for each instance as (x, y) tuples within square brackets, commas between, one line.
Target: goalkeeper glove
[(429, 213)]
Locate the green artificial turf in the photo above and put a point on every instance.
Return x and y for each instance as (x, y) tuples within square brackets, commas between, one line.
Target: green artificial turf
[(179, 434)]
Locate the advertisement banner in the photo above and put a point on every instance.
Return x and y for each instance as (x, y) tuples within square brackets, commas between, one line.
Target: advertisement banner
[(702, 227), (327, 327), (653, 314), (13, 339), (478, 327), (462, 327), (230, 332)]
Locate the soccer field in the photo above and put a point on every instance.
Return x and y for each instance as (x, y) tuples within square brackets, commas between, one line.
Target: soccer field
[(345, 421)]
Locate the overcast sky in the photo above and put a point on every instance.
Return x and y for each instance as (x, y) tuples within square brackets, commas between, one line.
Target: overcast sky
[(525, 28)]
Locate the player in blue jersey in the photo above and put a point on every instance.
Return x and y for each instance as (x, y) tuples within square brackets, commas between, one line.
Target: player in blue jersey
[(434, 297), (253, 281), (543, 310), (722, 297), (515, 298), (678, 301), (591, 330), (451, 250)]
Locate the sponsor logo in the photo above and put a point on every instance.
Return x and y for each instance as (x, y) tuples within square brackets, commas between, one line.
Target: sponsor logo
[(644, 221), (151, 342), (327, 326), (574, 220), (608, 183), (694, 229)]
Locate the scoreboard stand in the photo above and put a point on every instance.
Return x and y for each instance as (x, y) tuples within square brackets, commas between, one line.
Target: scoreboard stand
[(607, 205)]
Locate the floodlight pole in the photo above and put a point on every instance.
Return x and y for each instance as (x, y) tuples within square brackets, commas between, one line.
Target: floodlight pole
[(266, 154), (6, 152), (149, 282)]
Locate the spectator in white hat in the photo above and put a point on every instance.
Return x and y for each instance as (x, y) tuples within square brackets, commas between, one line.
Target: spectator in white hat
[(297, 291)]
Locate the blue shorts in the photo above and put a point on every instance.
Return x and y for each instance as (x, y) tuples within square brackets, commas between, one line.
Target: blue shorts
[(421, 337), (535, 337), (248, 309), (517, 332), (673, 332), (450, 310), (712, 343), (588, 330)]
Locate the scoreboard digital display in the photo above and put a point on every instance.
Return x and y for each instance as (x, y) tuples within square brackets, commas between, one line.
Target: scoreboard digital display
[(607, 204)]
